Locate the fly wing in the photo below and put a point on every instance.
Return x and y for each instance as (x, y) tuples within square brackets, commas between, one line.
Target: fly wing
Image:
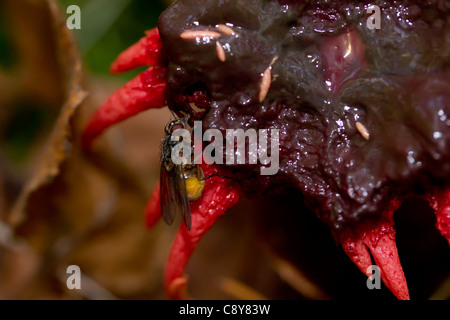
[(173, 195), (167, 194), (184, 204)]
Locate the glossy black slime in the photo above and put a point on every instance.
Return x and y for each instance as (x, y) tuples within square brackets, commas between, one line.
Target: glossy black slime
[(332, 80)]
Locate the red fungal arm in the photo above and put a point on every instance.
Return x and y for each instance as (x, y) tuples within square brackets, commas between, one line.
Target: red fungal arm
[(441, 204), (219, 195), (153, 209), (144, 92), (378, 237), (146, 52)]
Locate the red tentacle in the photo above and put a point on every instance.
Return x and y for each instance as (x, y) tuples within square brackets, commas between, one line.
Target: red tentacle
[(146, 52), (144, 92), (378, 237), (440, 202), (219, 195), (153, 209)]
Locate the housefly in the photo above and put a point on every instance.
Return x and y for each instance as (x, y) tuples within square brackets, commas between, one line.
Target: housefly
[(179, 183)]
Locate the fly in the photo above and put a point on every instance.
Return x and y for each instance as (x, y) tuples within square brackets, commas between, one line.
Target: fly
[(179, 183)]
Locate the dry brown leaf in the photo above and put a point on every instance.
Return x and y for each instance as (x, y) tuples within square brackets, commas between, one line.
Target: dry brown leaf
[(60, 143), (69, 212)]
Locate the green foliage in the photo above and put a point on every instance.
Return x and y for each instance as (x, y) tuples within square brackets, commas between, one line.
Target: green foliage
[(110, 26), (6, 52), (23, 127)]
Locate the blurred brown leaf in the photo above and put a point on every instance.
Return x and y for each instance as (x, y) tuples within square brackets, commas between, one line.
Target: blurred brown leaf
[(59, 144), (36, 73), (83, 210)]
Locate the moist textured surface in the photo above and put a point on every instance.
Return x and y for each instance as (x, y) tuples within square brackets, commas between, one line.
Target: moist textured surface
[(331, 72)]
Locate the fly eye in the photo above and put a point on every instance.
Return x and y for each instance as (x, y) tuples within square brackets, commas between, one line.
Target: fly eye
[(176, 126)]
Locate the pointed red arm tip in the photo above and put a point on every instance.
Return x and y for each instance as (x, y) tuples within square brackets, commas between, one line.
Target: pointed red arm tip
[(219, 195), (377, 238), (146, 52), (177, 289), (146, 91)]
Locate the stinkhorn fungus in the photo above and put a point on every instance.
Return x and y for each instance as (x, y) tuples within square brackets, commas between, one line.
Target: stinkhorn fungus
[(363, 111)]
